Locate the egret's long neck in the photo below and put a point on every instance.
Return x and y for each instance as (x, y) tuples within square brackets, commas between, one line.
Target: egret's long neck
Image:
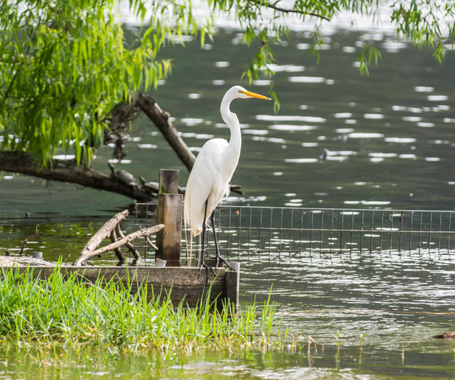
[(230, 118)]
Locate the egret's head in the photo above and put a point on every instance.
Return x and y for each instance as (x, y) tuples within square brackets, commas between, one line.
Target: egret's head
[(235, 92), (239, 92)]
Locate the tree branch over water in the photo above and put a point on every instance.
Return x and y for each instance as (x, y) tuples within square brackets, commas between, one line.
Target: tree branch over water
[(283, 10), (161, 120), (72, 172), (68, 171)]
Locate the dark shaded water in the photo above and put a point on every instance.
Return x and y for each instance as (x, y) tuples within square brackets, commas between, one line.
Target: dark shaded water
[(391, 146), (389, 134)]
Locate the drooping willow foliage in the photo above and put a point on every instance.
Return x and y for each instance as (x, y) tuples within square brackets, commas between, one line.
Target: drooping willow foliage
[(65, 64), (429, 23)]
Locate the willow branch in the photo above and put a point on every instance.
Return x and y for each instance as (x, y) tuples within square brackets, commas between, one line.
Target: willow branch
[(284, 10)]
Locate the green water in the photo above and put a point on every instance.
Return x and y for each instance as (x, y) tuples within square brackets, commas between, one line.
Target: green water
[(396, 145), (323, 363), (394, 149)]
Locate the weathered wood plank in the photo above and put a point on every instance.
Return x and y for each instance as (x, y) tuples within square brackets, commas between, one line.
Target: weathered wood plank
[(182, 283)]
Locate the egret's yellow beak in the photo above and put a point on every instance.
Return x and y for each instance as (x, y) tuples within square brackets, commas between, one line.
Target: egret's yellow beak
[(253, 95)]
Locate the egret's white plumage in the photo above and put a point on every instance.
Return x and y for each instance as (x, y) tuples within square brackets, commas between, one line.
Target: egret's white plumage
[(214, 167), (208, 181)]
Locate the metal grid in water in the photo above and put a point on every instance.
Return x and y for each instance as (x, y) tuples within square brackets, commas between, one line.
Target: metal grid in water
[(261, 231)]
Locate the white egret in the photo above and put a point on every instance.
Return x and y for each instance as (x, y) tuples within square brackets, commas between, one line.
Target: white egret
[(212, 172)]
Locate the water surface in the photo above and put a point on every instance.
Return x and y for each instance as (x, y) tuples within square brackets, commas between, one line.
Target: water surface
[(388, 143), (390, 131)]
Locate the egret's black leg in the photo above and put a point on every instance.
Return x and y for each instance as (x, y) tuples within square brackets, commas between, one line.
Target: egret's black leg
[(218, 256), (203, 264)]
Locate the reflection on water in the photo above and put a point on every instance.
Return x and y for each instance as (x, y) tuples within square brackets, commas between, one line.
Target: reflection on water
[(388, 142), (320, 362), (387, 296), (395, 300), (400, 111)]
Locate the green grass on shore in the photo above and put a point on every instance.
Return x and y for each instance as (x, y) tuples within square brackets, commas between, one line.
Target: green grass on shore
[(66, 311)]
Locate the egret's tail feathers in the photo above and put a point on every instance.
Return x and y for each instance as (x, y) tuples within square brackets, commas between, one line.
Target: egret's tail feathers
[(191, 226), (189, 252)]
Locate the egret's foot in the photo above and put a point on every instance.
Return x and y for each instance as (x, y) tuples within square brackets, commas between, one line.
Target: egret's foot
[(207, 267), (218, 258)]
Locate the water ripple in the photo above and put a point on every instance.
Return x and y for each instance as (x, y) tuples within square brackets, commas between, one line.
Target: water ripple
[(306, 79), (365, 135), (312, 119), (301, 160), (343, 115), (437, 98), (286, 68), (286, 127), (373, 116), (402, 140), (423, 89)]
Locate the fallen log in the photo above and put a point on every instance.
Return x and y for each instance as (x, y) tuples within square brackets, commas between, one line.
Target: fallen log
[(104, 232), (130, 246), (143, 232), (69, 171), (155, 186), (118, 251), (110, 229), (151, 244)]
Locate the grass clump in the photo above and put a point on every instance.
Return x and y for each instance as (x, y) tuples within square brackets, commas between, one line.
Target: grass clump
[(67, 311)]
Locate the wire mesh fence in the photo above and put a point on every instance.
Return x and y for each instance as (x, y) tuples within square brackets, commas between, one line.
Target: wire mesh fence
[(265, 232)]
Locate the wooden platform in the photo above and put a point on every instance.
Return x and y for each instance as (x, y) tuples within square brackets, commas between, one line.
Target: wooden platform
[(183, 283)]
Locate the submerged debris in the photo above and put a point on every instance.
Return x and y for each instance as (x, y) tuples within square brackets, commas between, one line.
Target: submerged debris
[(450, 335)]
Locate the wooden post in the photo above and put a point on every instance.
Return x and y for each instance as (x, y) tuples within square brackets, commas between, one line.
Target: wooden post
[(169, 181), (233, 284), (170, 205)]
